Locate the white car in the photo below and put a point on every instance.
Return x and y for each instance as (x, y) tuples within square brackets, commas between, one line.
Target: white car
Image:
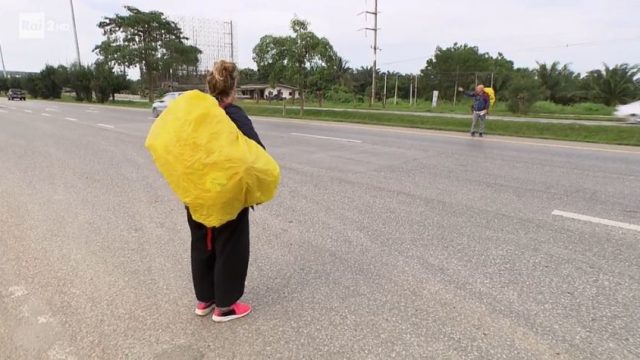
[(631, 112), (158, 107)]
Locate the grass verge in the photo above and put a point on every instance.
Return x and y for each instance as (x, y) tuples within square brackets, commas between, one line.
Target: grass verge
[(541, 109), (617, 135)]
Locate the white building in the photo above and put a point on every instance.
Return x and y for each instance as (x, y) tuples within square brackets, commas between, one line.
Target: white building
[(214, 38), (263, 91)]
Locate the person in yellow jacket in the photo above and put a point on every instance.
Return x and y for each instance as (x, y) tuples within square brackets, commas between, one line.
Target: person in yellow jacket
[(220, 255)]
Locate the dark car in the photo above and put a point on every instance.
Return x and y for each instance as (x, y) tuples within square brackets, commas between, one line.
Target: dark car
[(16, 94)]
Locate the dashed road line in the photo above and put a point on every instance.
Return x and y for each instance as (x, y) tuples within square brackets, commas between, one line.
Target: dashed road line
[(51, 109), (327, 138), (596, 220), (92, 111), (70, 119), (106, 126), (27, 111), (3, 111), (45, 114)]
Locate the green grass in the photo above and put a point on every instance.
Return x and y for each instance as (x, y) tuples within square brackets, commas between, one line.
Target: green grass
[(620, 135), (542, 109)]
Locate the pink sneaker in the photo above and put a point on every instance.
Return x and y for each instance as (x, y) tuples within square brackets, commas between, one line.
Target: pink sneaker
[(204, 309), (237, 311)]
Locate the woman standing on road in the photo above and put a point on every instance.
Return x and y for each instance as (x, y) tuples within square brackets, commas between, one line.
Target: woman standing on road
[(220, 256)]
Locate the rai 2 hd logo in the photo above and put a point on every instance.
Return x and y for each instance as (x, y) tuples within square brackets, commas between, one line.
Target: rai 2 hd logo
[(35, 25)]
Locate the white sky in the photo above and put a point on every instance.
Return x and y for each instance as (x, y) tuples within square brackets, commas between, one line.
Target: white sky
[(526, 31)]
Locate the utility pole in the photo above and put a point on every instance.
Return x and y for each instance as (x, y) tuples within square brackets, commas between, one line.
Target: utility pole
[(384, 97), (4, 69), (75, 31), (395, 97), (455, 91), (374, 29), (415, 98), (410, 91), (492, 79)]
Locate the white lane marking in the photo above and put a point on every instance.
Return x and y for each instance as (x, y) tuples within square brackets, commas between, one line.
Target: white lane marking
[(51, 109), (12, 107), (70, 119), (3, 111), (326, 137), (17, 291), (45, 114), (92, 111), (596, 220), (28, 111), (105, 126), (151, 118)]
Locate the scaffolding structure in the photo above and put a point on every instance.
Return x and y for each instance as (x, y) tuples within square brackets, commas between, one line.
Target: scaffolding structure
[(215, 38)]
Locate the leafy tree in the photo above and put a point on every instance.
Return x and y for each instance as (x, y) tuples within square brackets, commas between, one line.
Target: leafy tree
[(295, 58), (32, 83), (147, 40), (51, 87), (458, 63), (614, 85), (105, 82), (62, 75), (179, 58), (81, 81), (15, 82), (248, 76), (4, 84), (523, 92)]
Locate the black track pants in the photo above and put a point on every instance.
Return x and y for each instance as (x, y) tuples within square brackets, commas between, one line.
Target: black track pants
[(219, 259)]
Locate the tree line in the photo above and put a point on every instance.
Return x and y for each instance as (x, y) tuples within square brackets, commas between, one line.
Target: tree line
[(313, 65), (146, 40), (154, 45)]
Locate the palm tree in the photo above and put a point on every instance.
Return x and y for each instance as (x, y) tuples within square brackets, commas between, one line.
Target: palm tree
[(557, 81), (342, 71), (615, 85)]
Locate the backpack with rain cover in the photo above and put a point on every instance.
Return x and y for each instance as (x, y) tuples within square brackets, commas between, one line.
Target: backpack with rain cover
[(209, 164)]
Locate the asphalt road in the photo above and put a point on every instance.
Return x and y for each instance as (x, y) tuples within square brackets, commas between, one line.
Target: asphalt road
[(382, 243)]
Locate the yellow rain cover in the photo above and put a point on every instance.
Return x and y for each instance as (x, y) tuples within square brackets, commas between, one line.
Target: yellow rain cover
[(492, 95), (212, 167)]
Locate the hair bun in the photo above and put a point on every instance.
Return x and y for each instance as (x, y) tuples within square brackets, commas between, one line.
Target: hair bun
[(222, 78)]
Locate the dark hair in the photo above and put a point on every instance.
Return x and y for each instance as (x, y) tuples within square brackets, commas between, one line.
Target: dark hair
[(222, 79)]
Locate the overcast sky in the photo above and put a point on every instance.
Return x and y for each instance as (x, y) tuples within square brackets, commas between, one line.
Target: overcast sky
[(526, 31)]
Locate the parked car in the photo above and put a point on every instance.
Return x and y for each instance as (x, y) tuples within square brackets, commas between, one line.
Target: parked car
[(16, 94), (159, 106), (630, 112)]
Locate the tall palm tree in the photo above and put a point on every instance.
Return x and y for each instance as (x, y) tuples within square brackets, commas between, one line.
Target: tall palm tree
[(615, 85)]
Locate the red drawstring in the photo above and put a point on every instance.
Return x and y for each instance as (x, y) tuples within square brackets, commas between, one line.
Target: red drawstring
[(209, 239)]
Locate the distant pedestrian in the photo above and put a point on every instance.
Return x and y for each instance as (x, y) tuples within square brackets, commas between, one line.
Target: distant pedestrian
[(480, 108), (220, 256)]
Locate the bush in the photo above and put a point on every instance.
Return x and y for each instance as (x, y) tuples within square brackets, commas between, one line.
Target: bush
[(50, 83), (547, 107), (340, 95), (523, 93)]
